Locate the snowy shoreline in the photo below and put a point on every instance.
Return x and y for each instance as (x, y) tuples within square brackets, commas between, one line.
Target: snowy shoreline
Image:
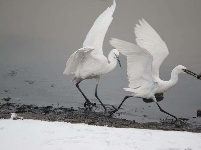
[(36, 134)]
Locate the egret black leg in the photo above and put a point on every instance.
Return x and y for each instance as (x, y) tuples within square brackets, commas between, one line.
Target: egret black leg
[(126, 97), (87, 101), (96, 95), (162, 110)]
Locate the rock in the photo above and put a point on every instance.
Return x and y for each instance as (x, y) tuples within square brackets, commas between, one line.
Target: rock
[(199, 113), (12, 73), (6, 99), (29, 81), (14, 116)]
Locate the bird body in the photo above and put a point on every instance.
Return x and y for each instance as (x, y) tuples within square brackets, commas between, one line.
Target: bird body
[(89, 62), (94, 65), (144, 61)]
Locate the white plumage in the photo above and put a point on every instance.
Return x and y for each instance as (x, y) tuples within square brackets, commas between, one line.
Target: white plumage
[(147, 38), (75, 59), (144, 61), (89, 62), (96, 34)]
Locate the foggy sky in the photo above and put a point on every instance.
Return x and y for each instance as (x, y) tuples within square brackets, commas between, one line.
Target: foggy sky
[(33, 31)]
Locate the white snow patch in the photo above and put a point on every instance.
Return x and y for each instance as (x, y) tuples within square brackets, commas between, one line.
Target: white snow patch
[(43, 135)]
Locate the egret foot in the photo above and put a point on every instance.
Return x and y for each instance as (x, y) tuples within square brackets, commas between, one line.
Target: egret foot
[(180, 122), (113, 111), (89, 105)]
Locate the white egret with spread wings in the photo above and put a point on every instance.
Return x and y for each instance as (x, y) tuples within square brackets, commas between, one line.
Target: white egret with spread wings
[(143, 63), (89, 62)]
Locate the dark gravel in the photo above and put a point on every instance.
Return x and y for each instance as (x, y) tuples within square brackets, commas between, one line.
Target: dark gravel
[(80, 115)]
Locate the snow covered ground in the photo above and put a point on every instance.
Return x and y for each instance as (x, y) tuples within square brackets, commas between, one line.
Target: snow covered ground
[(42, 135)]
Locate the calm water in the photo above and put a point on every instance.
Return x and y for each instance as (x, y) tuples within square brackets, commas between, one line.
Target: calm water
[(37, 37)]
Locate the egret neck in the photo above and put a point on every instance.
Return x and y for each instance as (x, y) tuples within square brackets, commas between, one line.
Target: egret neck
[(166, 85), (112, 58)]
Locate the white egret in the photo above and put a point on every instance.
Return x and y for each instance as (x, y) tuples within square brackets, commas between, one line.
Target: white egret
[(143, 63), (89, 62)]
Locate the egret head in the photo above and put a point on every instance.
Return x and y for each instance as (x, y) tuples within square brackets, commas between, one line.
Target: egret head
[(116, 55), (183, 69), (180, 69)]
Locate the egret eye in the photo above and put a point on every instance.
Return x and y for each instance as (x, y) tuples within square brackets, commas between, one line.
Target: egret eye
[(190, 72)]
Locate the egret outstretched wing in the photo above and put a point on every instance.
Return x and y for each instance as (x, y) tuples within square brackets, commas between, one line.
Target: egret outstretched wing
[(139, 62), (75, 59), (147, 38), (96, 34)]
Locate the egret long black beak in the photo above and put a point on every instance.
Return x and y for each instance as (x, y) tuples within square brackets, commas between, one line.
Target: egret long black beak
[(190, 73), (118, 60)]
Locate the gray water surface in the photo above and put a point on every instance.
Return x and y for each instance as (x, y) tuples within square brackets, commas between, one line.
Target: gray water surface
[(37, 37)]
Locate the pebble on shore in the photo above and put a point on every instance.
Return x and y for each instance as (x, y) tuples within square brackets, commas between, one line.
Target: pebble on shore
[(199, 113)]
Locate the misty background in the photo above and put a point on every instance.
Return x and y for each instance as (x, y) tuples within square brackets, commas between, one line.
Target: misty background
[(38, 36)]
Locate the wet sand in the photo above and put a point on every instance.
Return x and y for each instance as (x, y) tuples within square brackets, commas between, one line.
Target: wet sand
[(80, 115)]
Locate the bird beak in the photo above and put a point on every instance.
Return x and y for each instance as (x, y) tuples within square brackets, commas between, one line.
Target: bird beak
[(118, 60), (190, 73)]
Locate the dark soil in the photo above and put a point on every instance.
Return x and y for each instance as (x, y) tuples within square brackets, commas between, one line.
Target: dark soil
[(80, 115)]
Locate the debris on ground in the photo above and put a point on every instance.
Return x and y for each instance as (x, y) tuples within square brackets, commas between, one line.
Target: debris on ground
[(80, 115)]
